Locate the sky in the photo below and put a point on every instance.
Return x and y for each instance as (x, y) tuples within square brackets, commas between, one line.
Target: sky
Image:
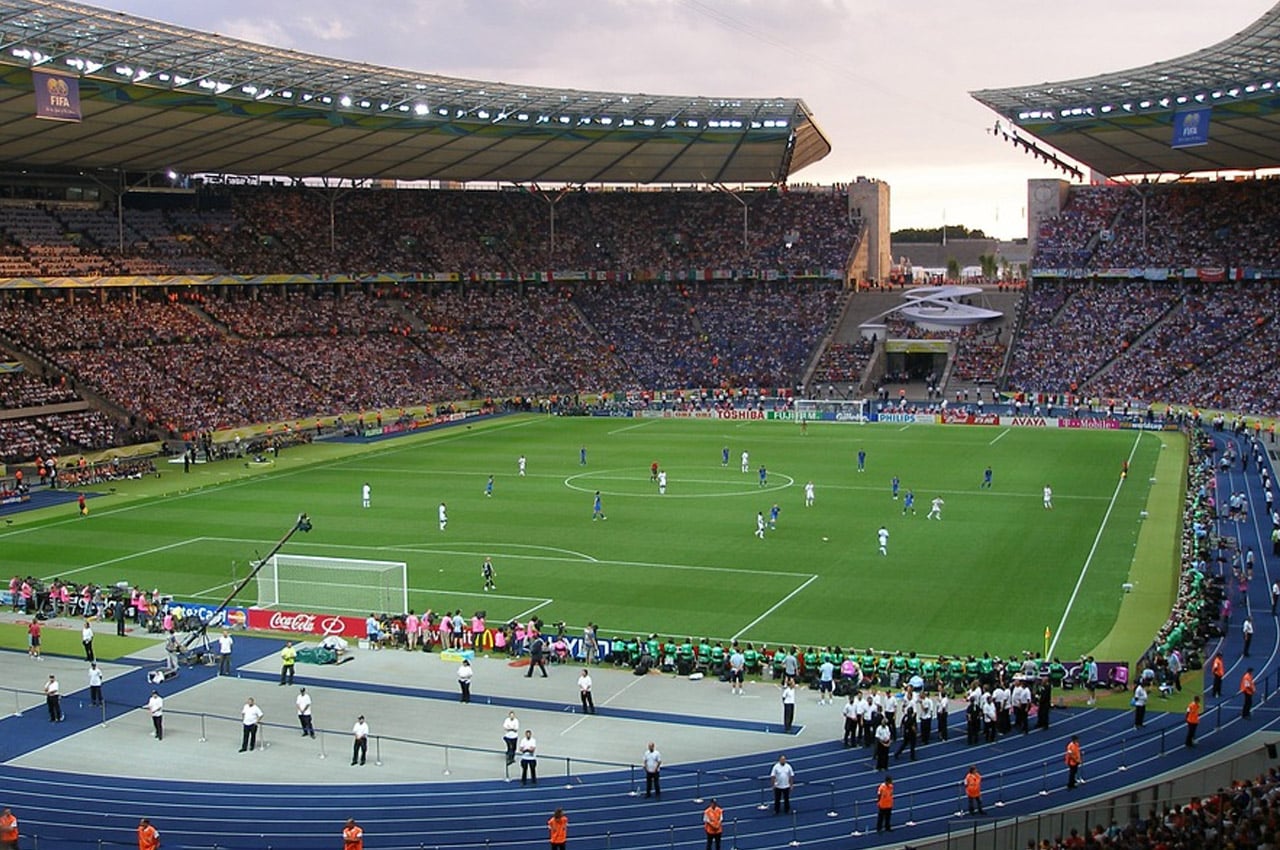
[(886, 80)]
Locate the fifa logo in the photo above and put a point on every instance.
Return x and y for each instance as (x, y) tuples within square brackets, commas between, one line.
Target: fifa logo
[(58, 92), (1191, 124)]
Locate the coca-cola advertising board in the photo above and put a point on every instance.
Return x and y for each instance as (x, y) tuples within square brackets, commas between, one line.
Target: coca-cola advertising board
[(261, 619)]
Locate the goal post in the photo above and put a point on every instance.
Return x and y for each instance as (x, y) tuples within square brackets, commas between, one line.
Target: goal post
[(345, 585), (831, 409)]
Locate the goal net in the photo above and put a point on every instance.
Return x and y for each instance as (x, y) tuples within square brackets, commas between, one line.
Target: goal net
[(333, 584), (831, 410)]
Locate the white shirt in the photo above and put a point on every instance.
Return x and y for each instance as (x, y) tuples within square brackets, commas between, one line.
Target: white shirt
[(788, 695), (51, 688), (1139, 695), (662, 479), (584, 683), (1048, 493), (364, 492), (86, 634), (251, 714), (521, 463), (808, 491), (938, 503), (652, 761), (155, 706), (95, 677), (442, 513), (884, 536), (783, 775), (465, 672), (360, 730), (883, 735), (759, 521), (304, 705), (510, 728), (1247, 628), (528, 748), (224, 644), (850, 709)]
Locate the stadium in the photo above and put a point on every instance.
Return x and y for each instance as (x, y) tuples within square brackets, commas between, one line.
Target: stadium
[(493, 413)]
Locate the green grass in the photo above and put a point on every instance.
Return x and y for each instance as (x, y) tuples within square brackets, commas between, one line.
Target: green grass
[(991, 576)]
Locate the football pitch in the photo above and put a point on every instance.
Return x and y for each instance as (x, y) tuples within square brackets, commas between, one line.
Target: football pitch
[(991, 575)]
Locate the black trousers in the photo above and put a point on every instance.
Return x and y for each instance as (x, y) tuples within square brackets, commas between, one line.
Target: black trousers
[(249, 739), (653, 783), (781, 800), (158, 723), (884, 818), (359, 750), (1191, 734), (588, 703), (529, 770)]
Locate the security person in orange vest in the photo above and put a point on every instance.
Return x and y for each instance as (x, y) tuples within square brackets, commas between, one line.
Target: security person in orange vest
[(558, 827), (884, 805), (1218, 668), (352, 836), (1248, 689), (8, 830), (1193, 720), (148, 836), (1074, 759), (713, 823), (973, 790)]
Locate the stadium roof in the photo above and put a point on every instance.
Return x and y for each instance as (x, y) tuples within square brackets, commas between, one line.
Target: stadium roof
[(1122, 123), (156, 97)]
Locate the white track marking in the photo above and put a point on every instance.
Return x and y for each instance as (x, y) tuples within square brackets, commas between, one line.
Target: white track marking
[(999, 436), (1097, 538), (810, 580), (634, 681)]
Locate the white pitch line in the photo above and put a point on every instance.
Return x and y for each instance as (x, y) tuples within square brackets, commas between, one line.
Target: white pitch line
[(543, 604), (1092, 549), (633, 427), (903, 428), (998, 436), (573, 725), (775, 607), (130, 556)]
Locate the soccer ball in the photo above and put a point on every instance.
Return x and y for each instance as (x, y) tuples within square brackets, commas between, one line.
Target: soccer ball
[(826, 539)]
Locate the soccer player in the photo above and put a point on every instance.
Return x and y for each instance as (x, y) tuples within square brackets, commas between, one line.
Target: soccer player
[(764, 475), (582, 456), (909, 502), (773, 516), (935, 511), (597, 508), (365, 492), (486, 570), (1048, 498), (724, 456), (746, 462), (760, 524), (653, 471), (986, 478), (488, 487), (883, 534), (895, 484), (444, 517), (521, 463), (662, 482), (808, 494), (862, 460)]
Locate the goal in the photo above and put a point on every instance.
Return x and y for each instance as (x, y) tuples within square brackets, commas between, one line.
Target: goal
[(333, 584), (831, 410)]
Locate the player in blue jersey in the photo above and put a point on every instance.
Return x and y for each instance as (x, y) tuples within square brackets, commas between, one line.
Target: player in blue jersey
[(597, 508), (764, 475), (986, 478), (862, 460), (908, 502), (488, 487), (773, 516), (724, 456), (895, 484)]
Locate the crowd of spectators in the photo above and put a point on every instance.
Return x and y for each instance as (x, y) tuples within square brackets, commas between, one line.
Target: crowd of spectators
[(1206, 224), (22, 389), (844, 362)]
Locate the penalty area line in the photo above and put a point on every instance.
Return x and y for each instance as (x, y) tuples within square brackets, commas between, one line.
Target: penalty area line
[(810, 580), (632, 427), (999, 436)]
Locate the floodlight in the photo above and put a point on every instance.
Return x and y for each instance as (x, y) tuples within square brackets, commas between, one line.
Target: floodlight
[(345, 101), (421, 109)]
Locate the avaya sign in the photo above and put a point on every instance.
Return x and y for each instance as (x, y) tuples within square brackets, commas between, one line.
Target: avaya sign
[(309, 624), (1029, 422)]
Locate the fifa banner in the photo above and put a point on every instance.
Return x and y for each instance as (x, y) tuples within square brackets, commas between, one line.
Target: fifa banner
[(227, 618), (57, 96), (261, 619), (1191, 127)]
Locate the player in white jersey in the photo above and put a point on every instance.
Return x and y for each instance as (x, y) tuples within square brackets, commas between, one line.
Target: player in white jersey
[(662, 482), (760, 525), (520, 463), (808, 494), (746, 461), (1048, 498), (365, 493), (935, 511), (883, 534), (444, 517)]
